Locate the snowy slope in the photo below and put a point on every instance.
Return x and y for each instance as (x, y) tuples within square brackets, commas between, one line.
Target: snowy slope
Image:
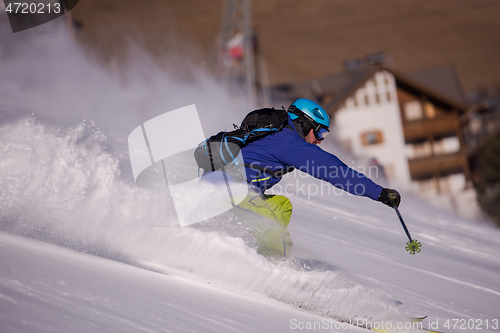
[(67, 184), (44, 288), (350, 249)]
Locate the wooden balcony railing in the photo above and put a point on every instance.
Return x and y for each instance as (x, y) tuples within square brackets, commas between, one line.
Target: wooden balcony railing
[(438, 164), (422, 129)]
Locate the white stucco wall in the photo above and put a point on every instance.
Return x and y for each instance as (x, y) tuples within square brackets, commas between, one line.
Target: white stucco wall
[(357, 117)]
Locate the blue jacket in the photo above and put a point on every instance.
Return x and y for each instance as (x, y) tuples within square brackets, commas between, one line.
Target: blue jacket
[(288, 149)]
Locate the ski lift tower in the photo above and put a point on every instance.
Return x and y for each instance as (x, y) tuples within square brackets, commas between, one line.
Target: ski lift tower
[(236, 53)]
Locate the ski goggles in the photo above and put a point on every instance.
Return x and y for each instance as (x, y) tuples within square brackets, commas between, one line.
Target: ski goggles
[(321, 134)]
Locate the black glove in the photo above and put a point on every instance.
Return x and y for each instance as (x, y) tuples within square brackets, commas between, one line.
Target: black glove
[(391, 198)]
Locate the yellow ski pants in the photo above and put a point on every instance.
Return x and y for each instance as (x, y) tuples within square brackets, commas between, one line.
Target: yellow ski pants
[(269, 227)]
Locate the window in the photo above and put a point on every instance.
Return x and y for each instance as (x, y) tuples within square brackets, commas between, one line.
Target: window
[(430, 111), (372, 138), (447, 145), (377, 98), (413, 110), (388, 96), (423, 149), (367, 100)]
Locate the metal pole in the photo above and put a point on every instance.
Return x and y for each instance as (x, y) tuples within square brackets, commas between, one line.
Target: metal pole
[(403, 223), (412, 245)]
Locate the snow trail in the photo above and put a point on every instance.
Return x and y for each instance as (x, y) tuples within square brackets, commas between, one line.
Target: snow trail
[(63, 186)]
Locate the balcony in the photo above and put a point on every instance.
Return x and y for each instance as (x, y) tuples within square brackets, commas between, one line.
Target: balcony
[(426, 167), (422, 129)]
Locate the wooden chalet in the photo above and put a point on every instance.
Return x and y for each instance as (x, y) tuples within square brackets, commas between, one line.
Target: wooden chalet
[(430, 106)]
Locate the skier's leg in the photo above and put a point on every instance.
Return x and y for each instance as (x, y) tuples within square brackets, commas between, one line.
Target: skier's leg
[(270, 225), (281, 207)]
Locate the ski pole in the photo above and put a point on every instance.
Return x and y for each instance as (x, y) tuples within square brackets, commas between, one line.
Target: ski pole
[(403, 223), (412, 245)]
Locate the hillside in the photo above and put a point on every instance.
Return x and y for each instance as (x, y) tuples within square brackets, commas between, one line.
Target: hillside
[(308, 39)]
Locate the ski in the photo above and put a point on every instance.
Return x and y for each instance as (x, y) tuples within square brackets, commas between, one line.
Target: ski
[(418, 319)]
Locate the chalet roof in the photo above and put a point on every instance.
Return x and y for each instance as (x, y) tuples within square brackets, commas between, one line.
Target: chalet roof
[(444, 80), (403, 81), (445, 90), (338, 85)]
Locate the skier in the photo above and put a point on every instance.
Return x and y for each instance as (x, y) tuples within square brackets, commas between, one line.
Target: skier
[(295, 147)]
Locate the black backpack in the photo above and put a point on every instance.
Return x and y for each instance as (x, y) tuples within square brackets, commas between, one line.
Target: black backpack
[(222, 148)]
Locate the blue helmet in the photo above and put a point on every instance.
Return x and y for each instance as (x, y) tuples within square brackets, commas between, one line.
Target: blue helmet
[(311, 113)]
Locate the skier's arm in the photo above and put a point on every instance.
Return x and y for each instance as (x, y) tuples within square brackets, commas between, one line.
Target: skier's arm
[(328, 167)]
